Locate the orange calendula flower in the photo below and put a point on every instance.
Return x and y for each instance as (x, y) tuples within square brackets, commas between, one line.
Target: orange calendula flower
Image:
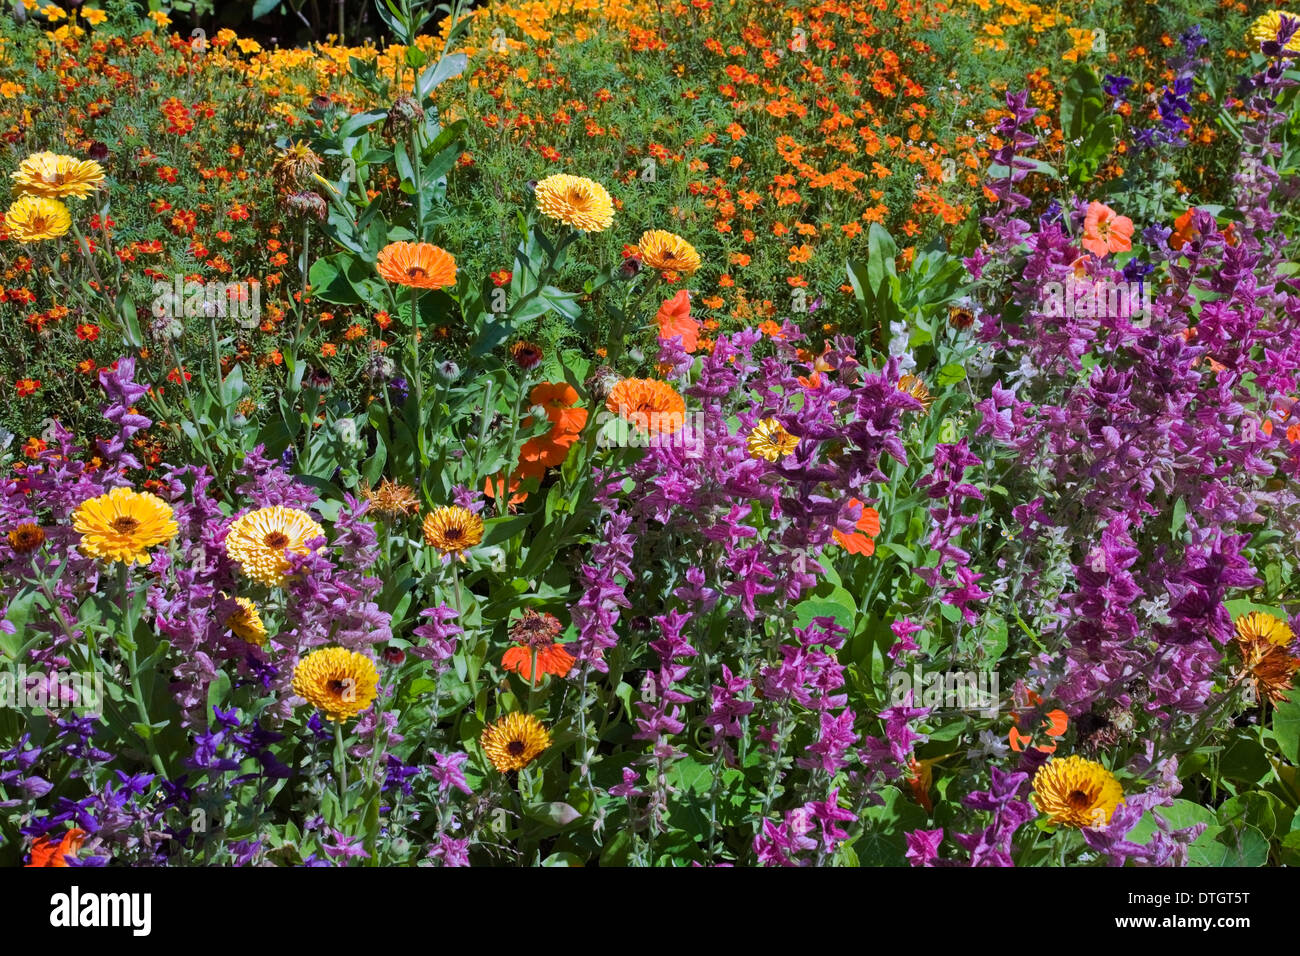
[(26, 538), (674, 319), (452, 530), (47, 851), (861, 541), (338, 682), (1105, 231), (649, 404), (419, 265)]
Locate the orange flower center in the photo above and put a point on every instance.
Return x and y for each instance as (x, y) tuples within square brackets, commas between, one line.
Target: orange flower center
[(1078, 800), (516, 747), (415, 272)]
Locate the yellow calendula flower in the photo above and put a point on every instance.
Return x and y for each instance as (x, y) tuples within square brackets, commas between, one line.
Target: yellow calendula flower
[(35, 218), (123, 525), (1258, 625), (668, 253), (576, 201), (337, 682), (55, 176), (246, 623), (514, 741), (1075, 792), (452, 530), (1266, 28), (258, 541), (769, 440)]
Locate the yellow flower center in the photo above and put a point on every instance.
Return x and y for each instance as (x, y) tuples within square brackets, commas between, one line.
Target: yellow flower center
[(125, 524), (516, 747), (276, 539)]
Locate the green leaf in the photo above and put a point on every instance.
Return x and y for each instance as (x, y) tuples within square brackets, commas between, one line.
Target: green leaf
[(442, 71), (1286, 729), (951, 374), (554, 814)]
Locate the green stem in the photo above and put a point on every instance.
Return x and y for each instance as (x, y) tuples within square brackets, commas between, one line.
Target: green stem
[(137, 691), (341, 767)]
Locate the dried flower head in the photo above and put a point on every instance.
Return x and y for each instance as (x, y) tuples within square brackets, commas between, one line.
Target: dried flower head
[(392, 500), (295, 167)]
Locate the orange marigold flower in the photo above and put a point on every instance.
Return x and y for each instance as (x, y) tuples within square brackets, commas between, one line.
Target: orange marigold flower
[(419, 265), (648, 403)]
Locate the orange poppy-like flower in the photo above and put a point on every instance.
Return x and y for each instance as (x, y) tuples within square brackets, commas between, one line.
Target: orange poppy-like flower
[(1054, 724), (421, 265), (550, 660), (1184, 232), (561, 403), (47, 851), (860, 541), (535, 633), (1105, 231), (674, 319), (648, 403), (559, 400)]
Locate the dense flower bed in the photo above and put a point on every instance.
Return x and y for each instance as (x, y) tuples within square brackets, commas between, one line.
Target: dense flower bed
[(786, 434)]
